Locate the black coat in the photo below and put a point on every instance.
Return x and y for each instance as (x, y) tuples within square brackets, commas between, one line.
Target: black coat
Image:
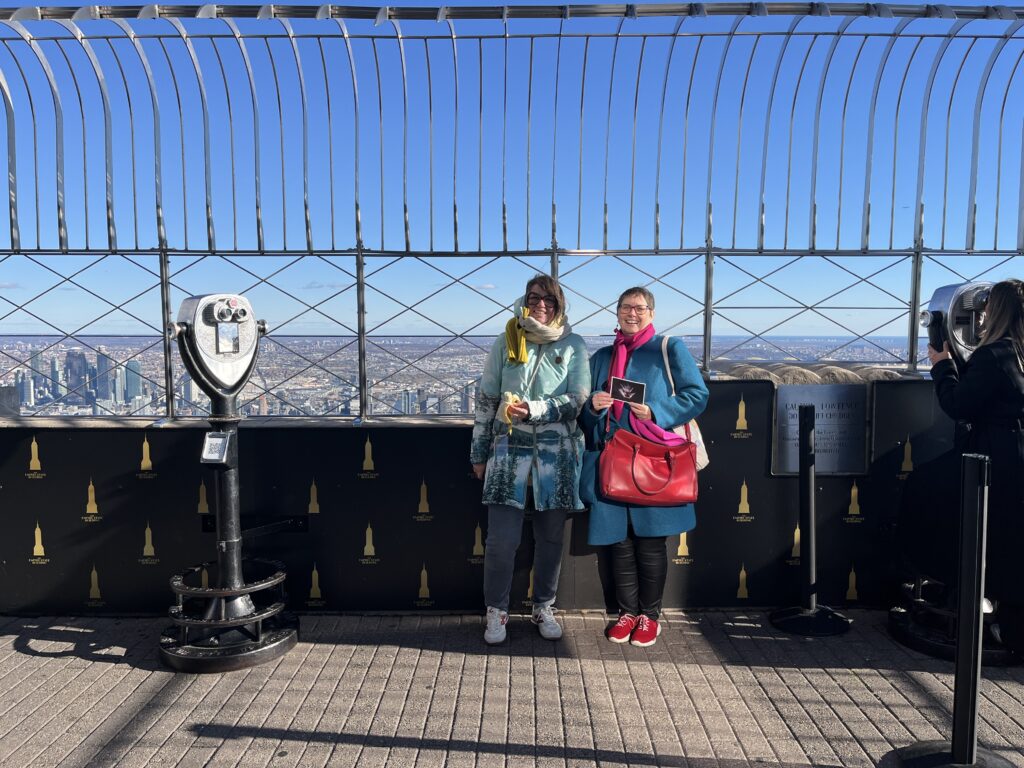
[(988, 394)]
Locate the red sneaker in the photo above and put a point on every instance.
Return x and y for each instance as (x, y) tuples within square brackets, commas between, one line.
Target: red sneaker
[(646, 632), (620, 631)]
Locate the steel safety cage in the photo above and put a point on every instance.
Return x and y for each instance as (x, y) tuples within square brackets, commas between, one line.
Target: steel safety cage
[(774, 170)]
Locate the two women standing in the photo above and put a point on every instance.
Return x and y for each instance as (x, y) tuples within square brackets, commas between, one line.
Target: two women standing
[(529, 450)]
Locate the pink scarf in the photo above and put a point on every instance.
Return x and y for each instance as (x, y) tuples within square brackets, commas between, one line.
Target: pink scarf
[(622, 350)]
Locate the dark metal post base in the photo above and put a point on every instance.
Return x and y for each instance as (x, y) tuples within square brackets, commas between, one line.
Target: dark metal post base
[(938, 754), (215, 654), (913, 629), (819, 622)]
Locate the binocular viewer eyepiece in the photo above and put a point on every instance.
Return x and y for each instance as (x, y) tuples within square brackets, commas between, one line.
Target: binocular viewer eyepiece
[(956, 313)]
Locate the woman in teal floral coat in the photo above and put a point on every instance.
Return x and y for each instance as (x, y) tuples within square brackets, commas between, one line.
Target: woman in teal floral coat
[(527, 448)]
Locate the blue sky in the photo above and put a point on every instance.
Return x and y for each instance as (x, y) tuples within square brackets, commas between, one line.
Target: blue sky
[(513, 123)]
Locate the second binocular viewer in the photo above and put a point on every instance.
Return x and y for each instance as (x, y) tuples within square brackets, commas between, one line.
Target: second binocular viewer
[(955, 314)]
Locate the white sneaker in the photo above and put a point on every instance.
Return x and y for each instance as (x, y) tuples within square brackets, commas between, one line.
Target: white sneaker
[(544, 618), (496, 620)]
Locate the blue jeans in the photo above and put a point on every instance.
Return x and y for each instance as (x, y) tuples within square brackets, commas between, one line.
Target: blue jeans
[(504, 532)]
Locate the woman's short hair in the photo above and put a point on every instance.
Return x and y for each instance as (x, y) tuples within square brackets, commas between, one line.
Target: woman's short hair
[(549, 287), (637, 291), (1004, 313)]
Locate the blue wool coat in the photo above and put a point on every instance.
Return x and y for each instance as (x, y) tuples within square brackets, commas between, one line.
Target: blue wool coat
[(608, 519)]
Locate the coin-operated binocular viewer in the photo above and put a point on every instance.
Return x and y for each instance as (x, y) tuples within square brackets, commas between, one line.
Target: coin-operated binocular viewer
[(234, 616), (955, 314)]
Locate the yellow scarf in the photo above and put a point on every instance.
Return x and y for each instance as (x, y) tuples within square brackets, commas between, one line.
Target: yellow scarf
[(515, 339)]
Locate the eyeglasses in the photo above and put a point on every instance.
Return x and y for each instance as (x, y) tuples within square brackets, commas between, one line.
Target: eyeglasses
[(535, 299), (633, 309)]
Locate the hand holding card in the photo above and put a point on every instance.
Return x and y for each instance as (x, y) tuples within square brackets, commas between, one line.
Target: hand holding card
[(627, 391)]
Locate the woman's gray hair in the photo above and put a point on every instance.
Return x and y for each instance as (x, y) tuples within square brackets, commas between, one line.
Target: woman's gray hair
[(637, 291)]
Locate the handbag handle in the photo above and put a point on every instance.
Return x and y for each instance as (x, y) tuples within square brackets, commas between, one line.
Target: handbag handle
[(671, 469)]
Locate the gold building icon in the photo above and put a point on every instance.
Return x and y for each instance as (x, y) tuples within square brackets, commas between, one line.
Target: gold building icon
[(204, 579), (204, 507), (741, 415), (91, 507), (796, 542), (314, 588), (744, 508), (368, 456), (478, 542), (424, 586), (908, 462), (94, 584), (684, 549), (529, 589), (368, 549), (146, 465), (424, 508), (854, 500), (34, 465), (37, 550), (314, 501), (741, 593), (147, 547), (851, 585)]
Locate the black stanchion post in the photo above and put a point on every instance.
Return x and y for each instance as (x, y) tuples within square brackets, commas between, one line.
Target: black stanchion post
[(809, 618), (963, 749)]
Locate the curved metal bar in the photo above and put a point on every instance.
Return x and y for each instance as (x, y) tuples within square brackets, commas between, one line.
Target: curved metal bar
[(281, 142), (608, 127), (554, 136), (895, 137), (12, 163), (161, 231), (85, 155), (999, 144), (973, 187), (355, 132), (739, 139), (529, 119), (330, 141), (131, 134), (58, 110), (305, 132), (949, 118), (813, 213), (686, 145), (181, 130), (767, 131), (842, 138), (108, 142), (661, 132), (256, 129), (579, 198), (405, 134), (918, 218), (231, 142), (455, 143), (714, 120), (865, 225), (789, 155), (430, 145), (35, 137), (632, 162)]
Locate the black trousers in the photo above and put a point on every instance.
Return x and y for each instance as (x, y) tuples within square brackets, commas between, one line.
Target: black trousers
[(640, 565)]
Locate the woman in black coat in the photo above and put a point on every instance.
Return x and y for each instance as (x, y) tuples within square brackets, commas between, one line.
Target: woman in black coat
[(988, 394)]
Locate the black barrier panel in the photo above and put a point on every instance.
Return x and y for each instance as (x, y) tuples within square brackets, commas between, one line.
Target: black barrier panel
[(395, 521)]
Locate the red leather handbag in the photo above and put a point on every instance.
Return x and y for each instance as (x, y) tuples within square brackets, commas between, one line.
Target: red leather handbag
[(635, 470)]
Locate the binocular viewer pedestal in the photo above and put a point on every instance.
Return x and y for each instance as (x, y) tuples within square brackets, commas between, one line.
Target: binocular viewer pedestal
[(240, 622)]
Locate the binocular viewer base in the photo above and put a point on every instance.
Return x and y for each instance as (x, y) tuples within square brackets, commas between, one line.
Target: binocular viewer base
[(230, 649), (939, 754), (931, 631)]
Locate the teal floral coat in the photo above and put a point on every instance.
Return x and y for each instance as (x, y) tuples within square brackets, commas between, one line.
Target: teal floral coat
[(546, 449)]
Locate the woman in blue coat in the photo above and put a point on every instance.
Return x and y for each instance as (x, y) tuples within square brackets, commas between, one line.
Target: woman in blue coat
[(637, 534)]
